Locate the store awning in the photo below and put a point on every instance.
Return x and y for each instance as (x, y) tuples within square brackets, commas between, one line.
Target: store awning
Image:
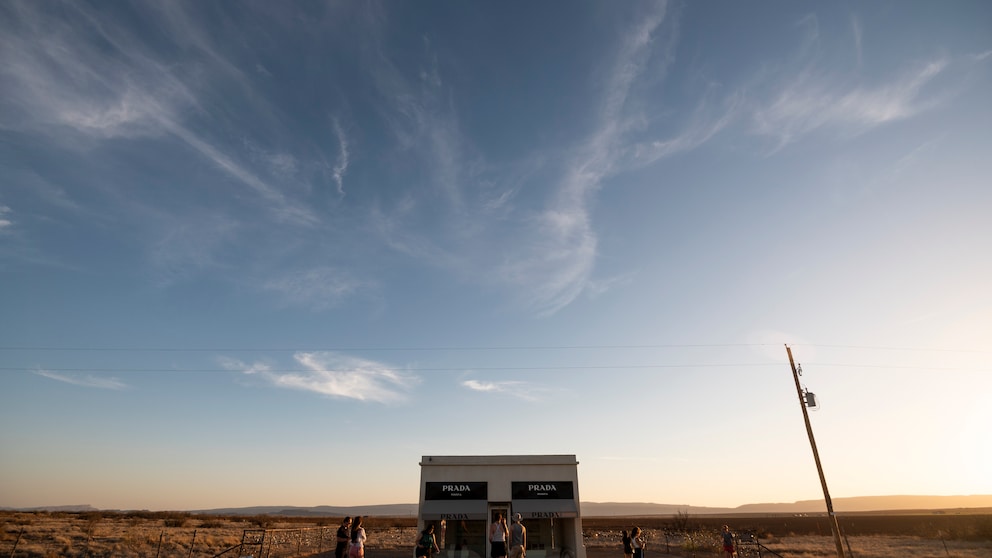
[(537, 509), (454, 509)]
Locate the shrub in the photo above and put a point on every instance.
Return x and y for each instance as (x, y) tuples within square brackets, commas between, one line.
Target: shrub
[(176, 519), (262, 521)]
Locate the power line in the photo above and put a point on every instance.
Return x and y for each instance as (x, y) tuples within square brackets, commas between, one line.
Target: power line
[(884, 348), (417, 369), (491, 368), (474, 348), (330, 349)]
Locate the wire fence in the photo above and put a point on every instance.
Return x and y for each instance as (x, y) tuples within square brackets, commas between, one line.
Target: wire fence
[(280, 543)]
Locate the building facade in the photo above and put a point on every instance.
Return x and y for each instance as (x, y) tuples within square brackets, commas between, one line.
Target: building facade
[(463, 495)]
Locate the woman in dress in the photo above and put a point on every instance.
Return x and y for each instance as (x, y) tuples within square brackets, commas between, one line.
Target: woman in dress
[(426, 543), (497, 537), (628, 549), (358, 539)]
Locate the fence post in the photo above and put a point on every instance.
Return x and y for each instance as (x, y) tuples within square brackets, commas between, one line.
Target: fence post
[(192, 543), (159, 549), (22, 532)]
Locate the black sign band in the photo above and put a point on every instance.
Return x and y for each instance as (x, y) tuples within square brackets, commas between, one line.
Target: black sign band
[(456, 490), (543, 490)]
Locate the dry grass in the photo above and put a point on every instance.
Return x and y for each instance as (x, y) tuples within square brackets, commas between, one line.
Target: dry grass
[(163, 535), (140, 535), (866, 536)]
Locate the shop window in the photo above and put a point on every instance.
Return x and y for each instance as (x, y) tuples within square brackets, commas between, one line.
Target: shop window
[(464, 539)]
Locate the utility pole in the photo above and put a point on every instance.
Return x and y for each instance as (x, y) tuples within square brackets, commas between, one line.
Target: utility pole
[(834, 526)]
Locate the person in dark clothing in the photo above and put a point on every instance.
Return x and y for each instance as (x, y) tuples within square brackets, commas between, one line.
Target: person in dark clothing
[(518, 537), (344, 538), (728, 542), (426, 543), (628, 549)]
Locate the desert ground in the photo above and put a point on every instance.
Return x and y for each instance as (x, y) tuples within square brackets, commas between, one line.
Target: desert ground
[(176, 534)]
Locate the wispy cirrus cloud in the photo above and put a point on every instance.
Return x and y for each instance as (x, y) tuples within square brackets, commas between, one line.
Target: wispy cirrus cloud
[(556, 265), (317, 288), (88, 381), (341, 166), (95, 76), (705, 122), (520, 390), (857, 33), (419, 114), (795, 102), (6, 214), (545, 255), (335, 375), (190, 246)]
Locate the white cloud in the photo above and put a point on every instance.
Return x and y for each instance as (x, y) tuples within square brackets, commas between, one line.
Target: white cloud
[(5, 221), (476, 385), (235, 364), (520, 390), (341, 167), (85, 380), (335, 375), (344, 376)]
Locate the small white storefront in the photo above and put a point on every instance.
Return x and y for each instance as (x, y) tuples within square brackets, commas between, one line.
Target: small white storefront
[(463, 495)]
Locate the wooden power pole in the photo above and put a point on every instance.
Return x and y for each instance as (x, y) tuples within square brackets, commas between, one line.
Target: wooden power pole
[(834, 526)]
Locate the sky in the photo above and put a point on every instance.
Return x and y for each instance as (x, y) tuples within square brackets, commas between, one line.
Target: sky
[(257, 253)]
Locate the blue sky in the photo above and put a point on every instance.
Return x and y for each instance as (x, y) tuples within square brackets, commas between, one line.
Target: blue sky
[(288, 245)]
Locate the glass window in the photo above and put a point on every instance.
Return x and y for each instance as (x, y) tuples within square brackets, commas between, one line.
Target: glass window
[(538, 537), (464, 539)]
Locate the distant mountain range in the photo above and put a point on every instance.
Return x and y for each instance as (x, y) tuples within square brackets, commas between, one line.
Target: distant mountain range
[(608, 509), (841, 505)]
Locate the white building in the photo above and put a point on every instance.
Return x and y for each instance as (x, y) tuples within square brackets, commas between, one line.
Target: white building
[(463, 495)]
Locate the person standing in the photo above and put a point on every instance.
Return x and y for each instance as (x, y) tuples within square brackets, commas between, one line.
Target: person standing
[(358, 539), (628, 549), (518, 537), (497, 537), (728, 542), (344, 537), (637, 542), (426, 543)]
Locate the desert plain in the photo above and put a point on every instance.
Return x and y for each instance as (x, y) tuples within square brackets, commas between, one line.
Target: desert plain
[(947, 534)]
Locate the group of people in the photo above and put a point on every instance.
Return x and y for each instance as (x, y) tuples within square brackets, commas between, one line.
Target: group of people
[(505, 540), (633, 543), (350, 539)]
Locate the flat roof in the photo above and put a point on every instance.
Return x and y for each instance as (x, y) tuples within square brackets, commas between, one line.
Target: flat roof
[(462, 460)]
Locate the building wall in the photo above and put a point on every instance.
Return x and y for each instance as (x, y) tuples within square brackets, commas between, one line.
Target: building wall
[(554, 524)]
